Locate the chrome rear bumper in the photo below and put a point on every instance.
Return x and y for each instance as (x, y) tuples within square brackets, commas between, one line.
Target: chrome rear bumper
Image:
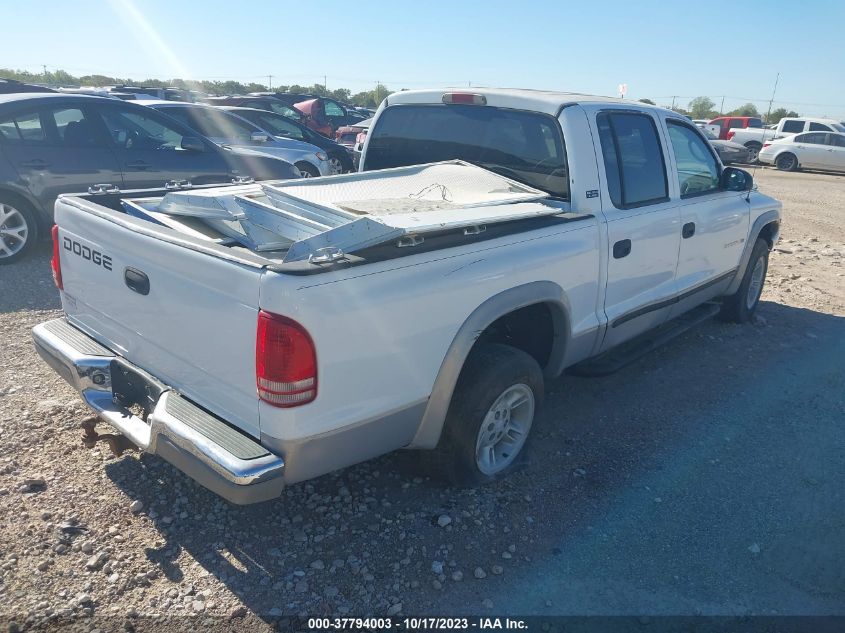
[(216, 455)]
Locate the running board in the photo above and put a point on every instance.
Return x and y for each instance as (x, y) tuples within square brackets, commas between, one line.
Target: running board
[(615, 359)]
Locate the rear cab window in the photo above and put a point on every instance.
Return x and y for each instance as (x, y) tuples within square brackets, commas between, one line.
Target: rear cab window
[(792, 126), (633, 159), (525, 146)]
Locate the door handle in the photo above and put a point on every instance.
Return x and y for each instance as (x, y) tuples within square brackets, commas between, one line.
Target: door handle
[(35, 163), (621, 249), (688, 230), (140, 165), (137, 281)]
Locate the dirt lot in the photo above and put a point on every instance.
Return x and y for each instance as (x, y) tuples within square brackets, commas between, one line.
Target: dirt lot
[(707, 478)]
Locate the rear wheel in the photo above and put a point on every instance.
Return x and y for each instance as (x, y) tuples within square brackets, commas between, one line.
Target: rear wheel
[(492, 411), (740, 306), (786, 162), (18, 229), (753, 151), (307, 171)]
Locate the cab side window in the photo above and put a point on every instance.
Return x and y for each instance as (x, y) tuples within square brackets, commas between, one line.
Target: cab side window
[(819, 127), (633, 159), (698, 170)]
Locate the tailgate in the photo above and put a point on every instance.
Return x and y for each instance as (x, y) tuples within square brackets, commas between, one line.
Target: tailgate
[(186, 317)]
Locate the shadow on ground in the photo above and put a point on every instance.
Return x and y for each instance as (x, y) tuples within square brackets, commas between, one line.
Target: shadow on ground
[(620, 480)]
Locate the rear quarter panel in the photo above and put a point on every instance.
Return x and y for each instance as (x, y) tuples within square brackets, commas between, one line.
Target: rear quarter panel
[(382, 330)]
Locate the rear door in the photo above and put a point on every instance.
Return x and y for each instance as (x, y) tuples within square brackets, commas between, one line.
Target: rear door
[(714, 223), (149, 150), (812, 150), (57, 149), (194, 324), (643, 224)]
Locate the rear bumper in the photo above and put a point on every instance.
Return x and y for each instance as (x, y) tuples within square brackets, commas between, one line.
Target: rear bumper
[(221, 458)]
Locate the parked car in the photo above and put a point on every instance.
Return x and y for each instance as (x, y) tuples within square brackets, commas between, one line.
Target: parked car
[(326, 360), (334, 112), (728, 152), (701, 122), (348, 134), (810, 150), (260, 103), (720, 125), (11, 86), (282, 127), (55, 143), (754, 139), (241, 136)]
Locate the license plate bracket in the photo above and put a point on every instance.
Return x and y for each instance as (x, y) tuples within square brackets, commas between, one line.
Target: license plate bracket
[(133, 389)]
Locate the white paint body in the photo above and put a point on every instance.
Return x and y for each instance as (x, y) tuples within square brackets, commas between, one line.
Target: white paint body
[(814, 150), (383, 329)]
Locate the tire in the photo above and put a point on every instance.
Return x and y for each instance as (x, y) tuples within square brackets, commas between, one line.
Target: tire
[(18, 228), (307, 170), (753, 151), (786, 161), (740, 306), (498, 394)]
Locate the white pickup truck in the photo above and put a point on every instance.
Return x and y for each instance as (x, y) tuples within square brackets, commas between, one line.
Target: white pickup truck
[(754, 138), (363, 313)]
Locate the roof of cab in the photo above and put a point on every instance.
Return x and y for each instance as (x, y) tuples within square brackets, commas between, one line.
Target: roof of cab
[(546, 101)]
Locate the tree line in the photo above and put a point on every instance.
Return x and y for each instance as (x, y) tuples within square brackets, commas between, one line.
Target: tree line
[(705, 108), (698, 108), (366, 98)]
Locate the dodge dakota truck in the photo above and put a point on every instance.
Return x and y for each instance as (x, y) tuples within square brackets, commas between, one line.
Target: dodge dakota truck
[(268, 333)]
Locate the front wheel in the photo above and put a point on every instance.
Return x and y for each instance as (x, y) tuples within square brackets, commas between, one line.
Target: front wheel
[(307, 171), (491, 415), (740, 306), (18, 229)]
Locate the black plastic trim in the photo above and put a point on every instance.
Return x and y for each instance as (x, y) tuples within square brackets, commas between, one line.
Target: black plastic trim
[(633, 314)]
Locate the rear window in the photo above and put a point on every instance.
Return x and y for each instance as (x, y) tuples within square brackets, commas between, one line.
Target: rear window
[(525, 146), (755, 122), (792, 127), (819, 127)]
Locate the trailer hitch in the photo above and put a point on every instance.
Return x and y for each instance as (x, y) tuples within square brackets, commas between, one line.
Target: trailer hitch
[(117, 443)]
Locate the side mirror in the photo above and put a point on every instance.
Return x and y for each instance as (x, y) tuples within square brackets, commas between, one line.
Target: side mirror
[(192, 144), (734, 179), (259, 137)]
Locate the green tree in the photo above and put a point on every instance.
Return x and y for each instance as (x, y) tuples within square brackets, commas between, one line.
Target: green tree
[(648, 101), (749, 109), (701, 107), (780, 113)]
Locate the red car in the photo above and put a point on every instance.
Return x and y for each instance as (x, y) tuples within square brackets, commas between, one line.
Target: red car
[(315, 116), (726, 123)]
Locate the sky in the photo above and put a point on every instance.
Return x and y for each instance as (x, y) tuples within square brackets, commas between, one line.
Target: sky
[(659, 49)]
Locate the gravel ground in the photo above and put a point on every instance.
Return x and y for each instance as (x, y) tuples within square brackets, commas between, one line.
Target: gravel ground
[(706, 478)]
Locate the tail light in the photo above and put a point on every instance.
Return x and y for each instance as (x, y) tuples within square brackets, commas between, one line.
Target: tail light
[(285, 362), (56, 262), (731, 134), (464, 97)]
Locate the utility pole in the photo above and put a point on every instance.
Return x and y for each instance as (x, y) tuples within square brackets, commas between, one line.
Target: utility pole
[(672, 107), (44, 66), (722, 106), (270, 81), (325, 84)]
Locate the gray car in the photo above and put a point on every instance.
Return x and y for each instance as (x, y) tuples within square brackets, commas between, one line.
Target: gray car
[(728, 151), (55, 143)]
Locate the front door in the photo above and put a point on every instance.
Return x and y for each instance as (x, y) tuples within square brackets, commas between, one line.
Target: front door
[(714, 222), (149, 149), (643, 225)]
